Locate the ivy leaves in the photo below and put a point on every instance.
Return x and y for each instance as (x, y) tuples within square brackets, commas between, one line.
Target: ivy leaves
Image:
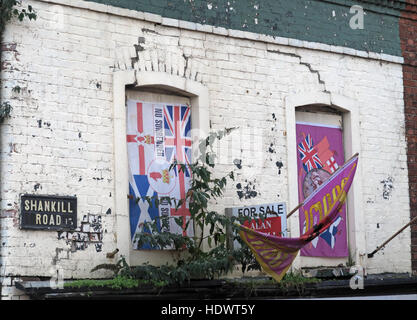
[(10, 9), (204, 187)]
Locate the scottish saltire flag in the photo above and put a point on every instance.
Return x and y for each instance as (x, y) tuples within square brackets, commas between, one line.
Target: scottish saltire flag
[(330, 234), (308, 154), (276, 254), (157, 134)]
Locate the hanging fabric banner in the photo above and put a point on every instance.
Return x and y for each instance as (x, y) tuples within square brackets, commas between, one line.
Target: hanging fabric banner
[(319, 155), (157, 134), (276, 254)]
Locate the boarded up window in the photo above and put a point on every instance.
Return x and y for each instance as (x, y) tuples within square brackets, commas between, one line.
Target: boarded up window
[(158, 132), (319, 153)]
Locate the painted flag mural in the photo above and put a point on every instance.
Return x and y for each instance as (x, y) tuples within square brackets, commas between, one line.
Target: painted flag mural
[(157, 134), (276, 254), (320, 153)]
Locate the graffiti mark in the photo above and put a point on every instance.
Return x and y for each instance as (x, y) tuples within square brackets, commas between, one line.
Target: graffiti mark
[(13, 148), (246, 192), (96, 83), (238, 163), (279, 164), (388, 186)]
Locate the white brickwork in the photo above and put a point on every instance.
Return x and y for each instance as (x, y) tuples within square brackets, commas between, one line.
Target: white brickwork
[(59, 139)]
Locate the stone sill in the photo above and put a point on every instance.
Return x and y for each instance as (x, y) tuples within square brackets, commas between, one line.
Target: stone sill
[(242, 288)]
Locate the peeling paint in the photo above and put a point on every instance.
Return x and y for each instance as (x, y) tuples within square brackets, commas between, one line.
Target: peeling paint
[(58, 256), (96, 83), (13, 148), (238, 163), (12, 213), (388, 186), (146, 30), (248, 191), (90, 232), (279, 164)]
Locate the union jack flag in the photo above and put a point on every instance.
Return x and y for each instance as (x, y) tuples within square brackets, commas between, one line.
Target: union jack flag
[(177, 122), (178, 141), (158, 134), (308, 154)]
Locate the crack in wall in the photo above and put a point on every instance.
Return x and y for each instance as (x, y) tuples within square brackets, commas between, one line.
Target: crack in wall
[(308, 65), (186, 63), (148, 58)]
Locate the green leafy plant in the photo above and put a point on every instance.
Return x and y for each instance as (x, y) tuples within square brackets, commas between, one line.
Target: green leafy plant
[(296, 281), (16, 89), (5, 109), (115, 268), (118, 282), (10, 9), (207, 254), (292, 282), (204, 187)]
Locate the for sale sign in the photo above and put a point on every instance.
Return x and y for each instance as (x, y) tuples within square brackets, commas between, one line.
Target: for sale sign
[(270, 218), (267, 218)]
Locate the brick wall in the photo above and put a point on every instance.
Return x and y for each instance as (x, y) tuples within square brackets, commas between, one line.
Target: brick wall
[(408, 34)]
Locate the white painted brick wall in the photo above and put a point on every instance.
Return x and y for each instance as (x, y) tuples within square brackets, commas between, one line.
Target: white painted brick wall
[(64, 64)]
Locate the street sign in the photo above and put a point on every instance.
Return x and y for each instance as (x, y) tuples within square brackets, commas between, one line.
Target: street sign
[(42, 212)]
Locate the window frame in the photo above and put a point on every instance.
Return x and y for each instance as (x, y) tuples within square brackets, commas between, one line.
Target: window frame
[(159, 81)]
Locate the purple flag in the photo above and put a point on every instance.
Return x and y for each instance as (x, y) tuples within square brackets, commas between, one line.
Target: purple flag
[(320, 153), (276, 254)]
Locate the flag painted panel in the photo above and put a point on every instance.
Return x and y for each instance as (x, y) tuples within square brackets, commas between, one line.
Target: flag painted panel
[(319, 155), (157, 134)]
